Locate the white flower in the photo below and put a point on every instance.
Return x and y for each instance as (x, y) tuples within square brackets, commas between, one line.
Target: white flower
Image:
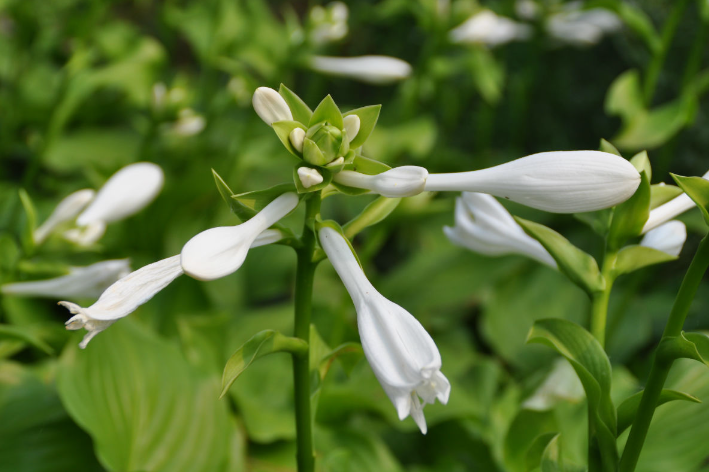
[(562, 384), (484, 226), (297, 138), (669, 210), (332, 28), (488, 28), (87, 235), (668, 237), (402, 354), (188, 123), (309, 176), (352, 124), (372, 69), (270, 106), (67, 210), (404, 181), (527, 9), (559, 182), (218, 252), (582, 27), (81, 282)]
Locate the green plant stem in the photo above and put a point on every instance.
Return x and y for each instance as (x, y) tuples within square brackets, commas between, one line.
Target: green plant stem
[(660, 370), (305, 274), (599, 301)]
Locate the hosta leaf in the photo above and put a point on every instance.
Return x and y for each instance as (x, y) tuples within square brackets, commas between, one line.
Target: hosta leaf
[(698, 190), (536, 450), (632, 258), (630, 216), (301, 112), (629, 407), (686, 345), (368, 117), (30, 222), (552, 460)]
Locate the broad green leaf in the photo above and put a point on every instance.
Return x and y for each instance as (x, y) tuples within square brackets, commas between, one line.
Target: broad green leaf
[(632, 258), (301, 112), (606, 146), (261, 344), (30, 222), (283, 130), (537, 449), (641, 162), (353, 450), (624, 97), (629, 407), (327, 111), (523, 435), (630, 216), (552, 460), (368, 117), (687, 345), (698, 190), (577, 265), (373, 213), (253, 202), (661, 193), (326, 174), (24, 334), (237, 208)]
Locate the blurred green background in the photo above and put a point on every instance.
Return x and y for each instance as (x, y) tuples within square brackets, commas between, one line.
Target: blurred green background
[(78, 102)]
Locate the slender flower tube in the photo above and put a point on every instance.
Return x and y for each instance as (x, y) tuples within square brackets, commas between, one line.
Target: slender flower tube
[(378, 70), (81, 282), (669, 210), (484, 226), (668, 237), (402, 354), (68, 209), (558, 182), (218, 252), (87, 235), (488, 28), (270, 106), (405, 181)]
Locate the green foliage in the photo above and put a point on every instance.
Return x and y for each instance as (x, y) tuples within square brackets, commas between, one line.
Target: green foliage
[(698, 190), (368, 117), (630, 216)]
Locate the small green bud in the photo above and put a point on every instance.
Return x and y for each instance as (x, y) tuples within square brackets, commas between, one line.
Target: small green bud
[(312, 154), (329, 139)]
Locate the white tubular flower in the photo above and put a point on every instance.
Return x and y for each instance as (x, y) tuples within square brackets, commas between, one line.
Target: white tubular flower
[(402, 354), (124, 194), (582, 27), (562, 384), (81, 282), (484, 226), (488, 28), (669, 210), (404, 181), (558, 182), (270, 106), (376, 70), (309, 176), (352, 123), (668, 237), (67, 210), (218, 252)]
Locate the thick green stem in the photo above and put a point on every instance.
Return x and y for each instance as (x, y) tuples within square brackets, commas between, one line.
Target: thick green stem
[(659, 371), (599, 301), (301, 365)]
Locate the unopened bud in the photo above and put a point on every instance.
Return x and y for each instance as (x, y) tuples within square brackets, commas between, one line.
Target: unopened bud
[(328, 138), (297, 136), (352, 123), (270, 106), (309, 176)]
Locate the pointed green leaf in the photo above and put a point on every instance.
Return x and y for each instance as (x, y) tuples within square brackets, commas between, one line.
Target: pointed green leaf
[(27, 234), (632, 258), (368, 117), (283, 130), (261, 344), (373, 213), (609, 148), (226, 194), (625, 96), (630, 216), (22, 333), (687, 345), (661, 193), (312, 153), (642, 163), (253, 202), (578, 266), (301, 112), (698, 190), (326, 174), (327, 111), (629, 407), (648, 129), (536, 450)]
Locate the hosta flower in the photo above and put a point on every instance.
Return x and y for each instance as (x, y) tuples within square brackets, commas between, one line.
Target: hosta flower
[(405, 181), (488, 28), (668, 237), (66, 211), (218, 252), (372, 69), (669, 210), (81, 282), (270, 106), (329, 23), (582, 27), (402, 354), (562, 384), (484, 226)]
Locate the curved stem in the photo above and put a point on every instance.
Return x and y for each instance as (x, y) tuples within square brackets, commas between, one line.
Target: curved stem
[(659, 371), (599, 301)]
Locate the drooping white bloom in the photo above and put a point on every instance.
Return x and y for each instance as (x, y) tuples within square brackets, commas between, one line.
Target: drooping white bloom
[(484, 226), (404, 181), (352, 123), (668, 237), (218, 252), (376, 70), (402, 354), (124, 194), (297, 138), (270, 106), (485, 27), (80, 282), (669, 210), (309, 176), (582, 27), (559, 182), (562, 384), (67, 210)]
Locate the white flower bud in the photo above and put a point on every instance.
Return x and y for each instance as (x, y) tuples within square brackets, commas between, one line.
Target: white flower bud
[(297, 136), (67, 210), (309, 176), (404, 181), (352, 123), (270, 106), (372, 69), (668, 237)]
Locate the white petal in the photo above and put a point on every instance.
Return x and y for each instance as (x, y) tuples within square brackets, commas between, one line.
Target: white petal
[(218, 252), (559, 182), (352, 123), (81, 320), (67, 210), (126, 193), (267, 237), (669, 210), (81, 282), (87, 235), (488, 28), (417, 413), (270, 106), (309, 176), (404, 181), (668, 237), (371, 69)]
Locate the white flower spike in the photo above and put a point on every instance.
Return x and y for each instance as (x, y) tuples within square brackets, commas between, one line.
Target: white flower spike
[(81, 282), (484, 226), (270, 106), (402, 354), (490, 29), (218, 252), (668, 237), (558, 182), (68, 209), (669, 210), (404, 181), (309, 176), (378, 70)]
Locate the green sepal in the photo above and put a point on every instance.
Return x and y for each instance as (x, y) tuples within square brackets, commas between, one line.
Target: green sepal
[(632, 258), (22, 333), (327, 111), (372, 214), (630, 216), (606, 146), (250, 203), (344, 145), (226, 193), (300, 111), (578, 266), (536, 451), (368, 117), (661, 194), (27, 234), (629, 407), (642, 163), (312, 153), (364, 165), (326, 175), (283, 130), (697, 189), (261, 344), (686, 345)]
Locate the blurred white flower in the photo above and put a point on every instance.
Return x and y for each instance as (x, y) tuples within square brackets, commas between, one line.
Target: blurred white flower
[(669, 210), (329, 23), (188, 123), (484, 226), (402, 354), (86, 235), (376, 70), (486, 27), (159, 96), (404, 181), (562, 384), (527, 9), (80, 282), (68, 209), (582, 27), (668, 237), (270, 106)]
